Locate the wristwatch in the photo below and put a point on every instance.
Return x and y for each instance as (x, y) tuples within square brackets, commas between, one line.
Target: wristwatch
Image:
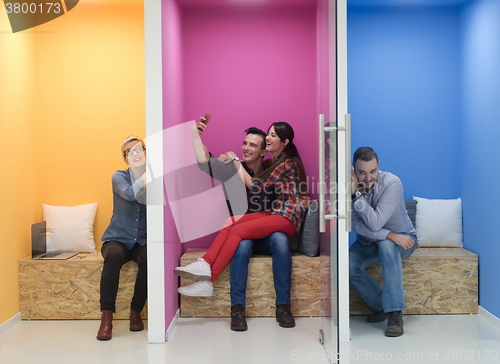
[(236, 159), (356, 195)]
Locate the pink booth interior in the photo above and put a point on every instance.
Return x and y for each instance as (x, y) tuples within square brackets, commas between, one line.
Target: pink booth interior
[(248, 63)]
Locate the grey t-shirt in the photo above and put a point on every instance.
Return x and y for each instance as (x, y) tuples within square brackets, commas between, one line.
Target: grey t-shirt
[(240, 199)]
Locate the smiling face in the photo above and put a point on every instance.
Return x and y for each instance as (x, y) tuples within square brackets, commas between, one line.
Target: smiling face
[(138, 156), (274, 144), (366, 172), (251, 149)]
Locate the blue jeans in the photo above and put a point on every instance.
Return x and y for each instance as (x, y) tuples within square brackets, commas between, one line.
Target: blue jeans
[(275, 245), (390, 296)]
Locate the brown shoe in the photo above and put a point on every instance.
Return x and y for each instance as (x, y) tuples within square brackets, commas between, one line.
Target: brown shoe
[(284, 316), (395, 324), (106, 327), (238, 318), (136, 321)]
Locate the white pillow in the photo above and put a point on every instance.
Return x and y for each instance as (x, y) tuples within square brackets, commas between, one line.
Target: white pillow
[(439, 223), (70, 228)]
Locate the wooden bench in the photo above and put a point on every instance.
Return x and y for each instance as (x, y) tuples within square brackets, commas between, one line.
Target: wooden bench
[(69, 289), (436, 281), (260, 300)]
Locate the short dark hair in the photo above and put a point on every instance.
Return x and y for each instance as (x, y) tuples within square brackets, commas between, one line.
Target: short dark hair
[(365, 154), (257, 131)]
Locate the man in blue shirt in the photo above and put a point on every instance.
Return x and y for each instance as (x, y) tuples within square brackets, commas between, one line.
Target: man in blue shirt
[(253, 150), (385, 235), (125, 238)]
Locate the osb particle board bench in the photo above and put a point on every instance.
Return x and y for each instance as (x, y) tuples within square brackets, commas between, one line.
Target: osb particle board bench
[(69, 289), (436, 281), (260, 300)]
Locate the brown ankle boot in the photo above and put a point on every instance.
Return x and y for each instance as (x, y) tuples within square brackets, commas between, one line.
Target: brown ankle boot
[(104, 332), (136, 321)]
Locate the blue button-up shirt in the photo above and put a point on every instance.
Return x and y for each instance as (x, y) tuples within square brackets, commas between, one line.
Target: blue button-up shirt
[(381, 210), (128, 223)]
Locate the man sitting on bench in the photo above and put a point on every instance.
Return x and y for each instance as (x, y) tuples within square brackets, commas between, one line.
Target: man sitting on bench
[(253, 150), (385, 235)]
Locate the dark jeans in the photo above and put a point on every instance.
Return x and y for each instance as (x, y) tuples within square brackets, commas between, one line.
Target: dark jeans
[(115, 255), (275, 245)]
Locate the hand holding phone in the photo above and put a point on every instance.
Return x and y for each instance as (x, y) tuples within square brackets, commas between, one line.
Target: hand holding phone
[(207, 119), (203, 120), (354, 182)]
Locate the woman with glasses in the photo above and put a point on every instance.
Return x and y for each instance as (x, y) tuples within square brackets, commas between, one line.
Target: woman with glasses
[(125, 238)]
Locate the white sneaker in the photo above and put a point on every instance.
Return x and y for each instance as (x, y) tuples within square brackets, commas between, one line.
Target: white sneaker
[(198, 289), (199, 270)]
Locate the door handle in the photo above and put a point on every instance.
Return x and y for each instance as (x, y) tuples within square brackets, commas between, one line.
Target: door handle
[(322, 222), (348, 201), (322, 192)]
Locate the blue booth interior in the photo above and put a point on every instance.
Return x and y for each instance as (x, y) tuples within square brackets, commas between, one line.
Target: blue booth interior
[(423, 86)]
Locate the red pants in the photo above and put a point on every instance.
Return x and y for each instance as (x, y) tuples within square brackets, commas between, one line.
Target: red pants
[(256, 225)]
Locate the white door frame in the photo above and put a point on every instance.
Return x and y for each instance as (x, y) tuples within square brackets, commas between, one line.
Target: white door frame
[(155, 198)]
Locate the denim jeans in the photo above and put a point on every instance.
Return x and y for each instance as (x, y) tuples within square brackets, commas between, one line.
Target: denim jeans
[(390, 296), (275, 245)]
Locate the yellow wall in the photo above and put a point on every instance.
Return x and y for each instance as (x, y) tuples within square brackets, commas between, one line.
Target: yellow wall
[(18, 141), (81, 86)]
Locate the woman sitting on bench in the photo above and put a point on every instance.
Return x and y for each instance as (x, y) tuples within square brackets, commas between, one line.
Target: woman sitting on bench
[(125, 237), (285, 173)]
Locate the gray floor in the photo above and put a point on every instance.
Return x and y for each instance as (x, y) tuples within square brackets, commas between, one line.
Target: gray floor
[(427, 339)]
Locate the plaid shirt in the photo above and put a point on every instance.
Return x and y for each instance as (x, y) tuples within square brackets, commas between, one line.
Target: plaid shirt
[(286, 183)]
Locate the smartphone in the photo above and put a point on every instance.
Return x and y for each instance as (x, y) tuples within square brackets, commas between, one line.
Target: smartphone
[(207, 118)]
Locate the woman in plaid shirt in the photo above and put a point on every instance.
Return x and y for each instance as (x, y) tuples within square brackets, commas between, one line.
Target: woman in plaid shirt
[(285, 173)]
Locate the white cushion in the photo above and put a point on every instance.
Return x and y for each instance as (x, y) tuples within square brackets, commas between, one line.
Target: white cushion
[(70, 228), (439, 223)]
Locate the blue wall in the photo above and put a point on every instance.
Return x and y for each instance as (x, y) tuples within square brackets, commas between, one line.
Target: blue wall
[(403, 74), (480, 39), (424, 91)]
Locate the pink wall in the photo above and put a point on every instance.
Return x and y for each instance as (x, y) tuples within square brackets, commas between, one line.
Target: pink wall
[(325, 91), (251, 67)]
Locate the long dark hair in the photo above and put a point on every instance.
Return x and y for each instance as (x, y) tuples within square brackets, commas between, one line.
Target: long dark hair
[(285, 131)]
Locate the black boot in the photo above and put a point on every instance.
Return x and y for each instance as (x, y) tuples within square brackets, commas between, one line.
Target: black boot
[(377, 316), (284, 316), (395, 324), (238, 318)]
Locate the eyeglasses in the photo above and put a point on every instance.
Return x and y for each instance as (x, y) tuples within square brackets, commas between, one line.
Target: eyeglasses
[(130, 152)]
